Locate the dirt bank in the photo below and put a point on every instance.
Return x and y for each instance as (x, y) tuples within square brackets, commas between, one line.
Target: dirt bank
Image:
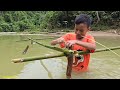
[(58, 34), (101, 33)]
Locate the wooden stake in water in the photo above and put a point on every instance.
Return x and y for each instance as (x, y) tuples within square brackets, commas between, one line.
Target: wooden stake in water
[(69, 66), (26, 49)]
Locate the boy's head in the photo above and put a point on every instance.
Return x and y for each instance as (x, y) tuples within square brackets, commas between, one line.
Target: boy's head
[(82, 25)]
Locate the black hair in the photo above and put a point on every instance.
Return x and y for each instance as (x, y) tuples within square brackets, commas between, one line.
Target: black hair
[(83, 18)]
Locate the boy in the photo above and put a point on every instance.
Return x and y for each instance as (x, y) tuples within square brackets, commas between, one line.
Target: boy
[(80, 41)]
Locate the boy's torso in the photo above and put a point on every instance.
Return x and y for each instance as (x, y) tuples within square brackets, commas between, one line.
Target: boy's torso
[(82, 66)]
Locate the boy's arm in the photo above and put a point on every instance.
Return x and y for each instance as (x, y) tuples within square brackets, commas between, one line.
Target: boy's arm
[(90, 46), (58, 41), (61, 41)]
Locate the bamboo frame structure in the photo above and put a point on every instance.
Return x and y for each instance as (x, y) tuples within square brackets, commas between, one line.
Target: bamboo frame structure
[(65, 52), (60, 55)]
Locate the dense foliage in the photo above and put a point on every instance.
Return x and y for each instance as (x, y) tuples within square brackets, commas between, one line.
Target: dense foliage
[(15, 21)]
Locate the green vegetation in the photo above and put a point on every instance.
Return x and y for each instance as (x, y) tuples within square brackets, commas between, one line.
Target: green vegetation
[(51, 21)]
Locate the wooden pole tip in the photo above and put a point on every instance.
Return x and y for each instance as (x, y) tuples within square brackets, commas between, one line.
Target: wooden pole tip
[(19, 60)]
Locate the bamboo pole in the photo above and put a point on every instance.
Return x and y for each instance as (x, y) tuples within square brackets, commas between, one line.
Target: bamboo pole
[(19, 60), (50, 47), (98, 50), (112, 48), (65, 53)]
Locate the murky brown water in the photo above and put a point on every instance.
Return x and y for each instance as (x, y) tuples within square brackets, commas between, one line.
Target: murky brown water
[(103, 65)]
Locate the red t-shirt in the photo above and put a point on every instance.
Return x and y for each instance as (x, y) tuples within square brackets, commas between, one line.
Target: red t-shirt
[(82, 66)]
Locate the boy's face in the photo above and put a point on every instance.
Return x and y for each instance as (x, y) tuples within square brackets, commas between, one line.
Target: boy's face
[(81, 30)]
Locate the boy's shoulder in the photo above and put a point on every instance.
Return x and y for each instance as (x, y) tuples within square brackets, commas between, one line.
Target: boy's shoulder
[(71, 34)]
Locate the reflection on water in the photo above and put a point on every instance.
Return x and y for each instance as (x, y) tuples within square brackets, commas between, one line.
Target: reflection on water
[(47, 69)]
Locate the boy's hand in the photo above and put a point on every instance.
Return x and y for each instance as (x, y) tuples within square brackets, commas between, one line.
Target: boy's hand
[(70, 43), (60, 40), (57, 41)]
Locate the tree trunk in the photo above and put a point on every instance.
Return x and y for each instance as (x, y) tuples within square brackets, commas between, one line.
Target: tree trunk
[(98, 18)]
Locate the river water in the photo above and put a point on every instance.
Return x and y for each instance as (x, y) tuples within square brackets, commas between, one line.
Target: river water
[(103, 65)]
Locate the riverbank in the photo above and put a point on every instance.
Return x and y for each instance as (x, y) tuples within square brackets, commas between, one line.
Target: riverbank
[(58, 34)]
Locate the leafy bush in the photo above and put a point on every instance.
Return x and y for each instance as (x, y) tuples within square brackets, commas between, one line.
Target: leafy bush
[(48, 21)]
